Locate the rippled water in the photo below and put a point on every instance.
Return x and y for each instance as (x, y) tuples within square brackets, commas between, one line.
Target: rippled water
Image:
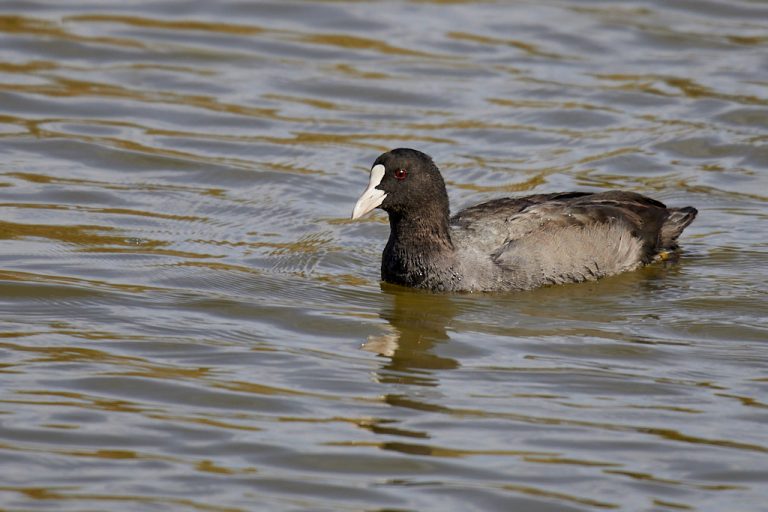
[(191, 322)]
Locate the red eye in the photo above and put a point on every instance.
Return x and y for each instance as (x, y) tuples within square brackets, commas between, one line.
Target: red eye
[(401, 174)]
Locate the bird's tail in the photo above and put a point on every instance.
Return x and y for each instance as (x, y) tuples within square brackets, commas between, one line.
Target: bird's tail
[(678, 220)]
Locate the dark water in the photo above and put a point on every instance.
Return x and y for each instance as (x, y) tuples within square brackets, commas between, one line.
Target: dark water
[(190, 322)]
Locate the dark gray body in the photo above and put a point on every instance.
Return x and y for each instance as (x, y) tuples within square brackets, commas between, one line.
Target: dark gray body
[(528, 242)]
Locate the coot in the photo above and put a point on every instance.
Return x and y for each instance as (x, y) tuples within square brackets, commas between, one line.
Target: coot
[(510, 243)]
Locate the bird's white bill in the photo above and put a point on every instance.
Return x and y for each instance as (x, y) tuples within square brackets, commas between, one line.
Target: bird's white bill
[(372, 197)]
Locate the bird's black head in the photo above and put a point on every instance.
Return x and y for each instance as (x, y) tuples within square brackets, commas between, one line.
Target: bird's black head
[(404, 182)]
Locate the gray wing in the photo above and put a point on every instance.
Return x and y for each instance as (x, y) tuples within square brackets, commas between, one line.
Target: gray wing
[(505, 207), (558, 238)]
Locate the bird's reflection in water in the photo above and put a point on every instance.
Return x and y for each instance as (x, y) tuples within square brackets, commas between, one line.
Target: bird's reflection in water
[(417, 323)]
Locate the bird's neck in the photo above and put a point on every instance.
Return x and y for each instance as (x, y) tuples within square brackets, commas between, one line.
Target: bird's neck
[(419, 251)]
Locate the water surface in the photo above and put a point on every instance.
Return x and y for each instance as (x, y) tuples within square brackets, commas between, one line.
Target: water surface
[(191, 322)]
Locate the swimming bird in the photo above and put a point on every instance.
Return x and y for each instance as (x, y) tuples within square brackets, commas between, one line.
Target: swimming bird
[(512, 243)]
